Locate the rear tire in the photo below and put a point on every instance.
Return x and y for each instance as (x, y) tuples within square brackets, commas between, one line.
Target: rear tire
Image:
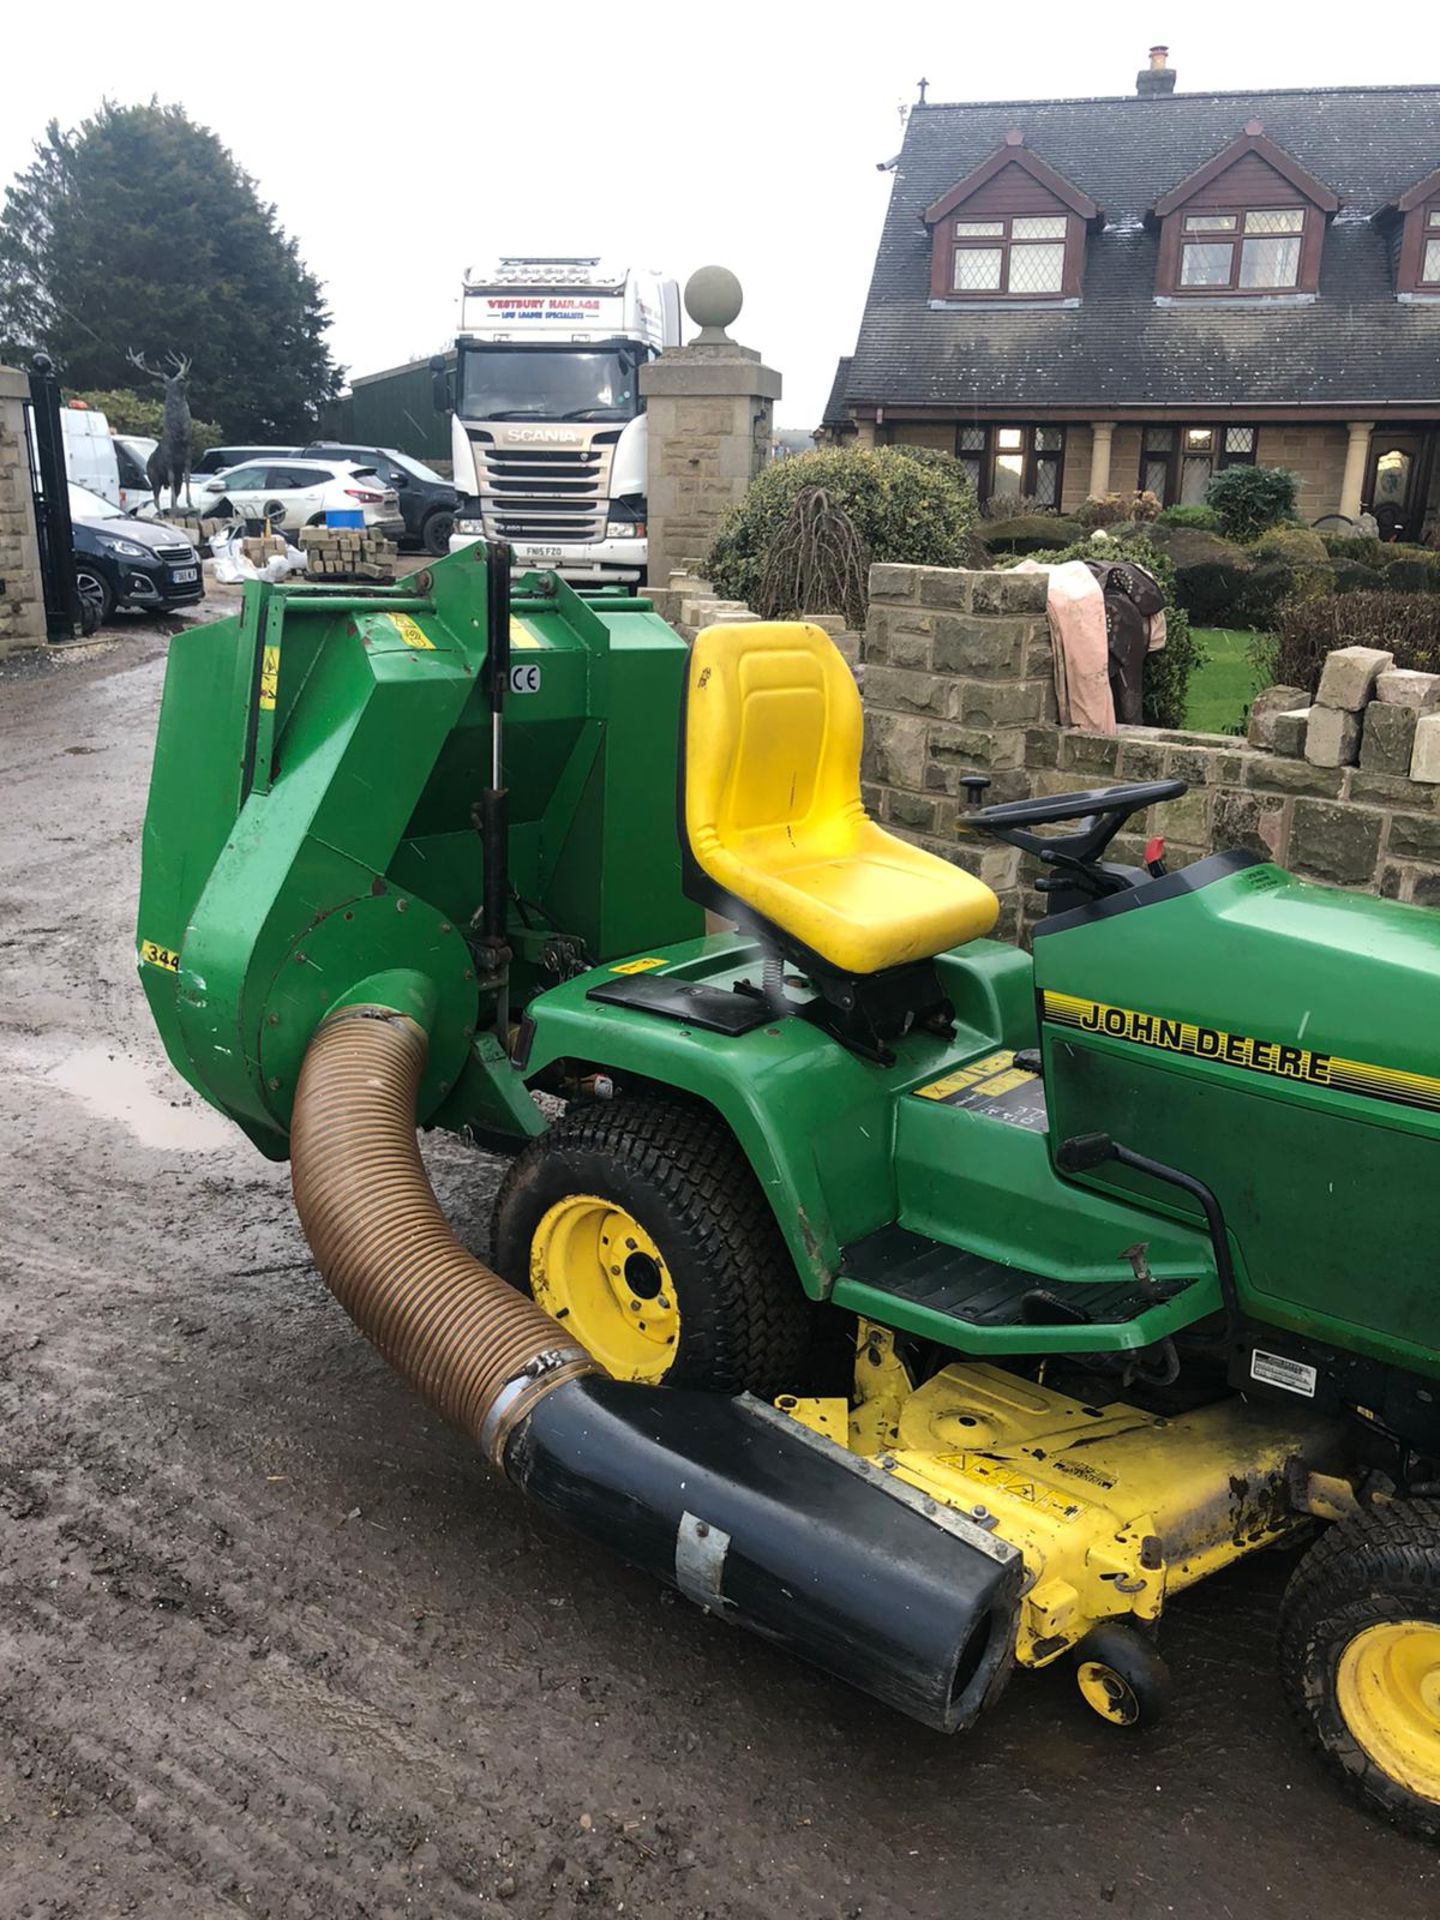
[(714, 1301), (1360, 1658)]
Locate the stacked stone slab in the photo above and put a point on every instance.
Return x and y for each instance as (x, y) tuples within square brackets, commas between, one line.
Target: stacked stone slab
[(348, 553), (1336, 723), (959, 679), (263, 547)]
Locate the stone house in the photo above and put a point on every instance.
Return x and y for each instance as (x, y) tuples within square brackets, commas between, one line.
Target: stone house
[(1085, 296)]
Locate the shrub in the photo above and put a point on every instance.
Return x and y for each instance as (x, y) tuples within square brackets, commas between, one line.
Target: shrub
[(1304, 553), (1167, 673), (1204, 518), (1028, 532), (902, 508), (1350, 577), (1359, 549), (1212, 592), (1247, 500), (1264, 590), (1411, 574), (137, 413), (1408, 624), (1110, 509), (1011, 506)]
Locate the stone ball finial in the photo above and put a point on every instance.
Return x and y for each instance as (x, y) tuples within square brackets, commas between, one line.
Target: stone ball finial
[(713, 299)]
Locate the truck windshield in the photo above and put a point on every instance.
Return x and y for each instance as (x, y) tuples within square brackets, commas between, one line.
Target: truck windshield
[(511, 384)]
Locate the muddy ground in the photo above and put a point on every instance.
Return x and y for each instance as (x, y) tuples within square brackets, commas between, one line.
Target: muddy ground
[(273, 1642)]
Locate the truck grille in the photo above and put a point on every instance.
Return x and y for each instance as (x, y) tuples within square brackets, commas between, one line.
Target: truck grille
[(546, 494)]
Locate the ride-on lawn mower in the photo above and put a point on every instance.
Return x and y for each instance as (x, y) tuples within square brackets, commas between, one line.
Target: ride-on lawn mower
[(925, 1307)]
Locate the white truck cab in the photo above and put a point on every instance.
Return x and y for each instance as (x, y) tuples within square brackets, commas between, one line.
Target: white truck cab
[(548, 428)]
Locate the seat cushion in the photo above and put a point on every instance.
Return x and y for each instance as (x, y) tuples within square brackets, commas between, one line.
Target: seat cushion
[(880, 904)]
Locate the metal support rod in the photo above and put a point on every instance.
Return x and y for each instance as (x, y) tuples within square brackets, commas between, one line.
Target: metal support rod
[(493, 801)]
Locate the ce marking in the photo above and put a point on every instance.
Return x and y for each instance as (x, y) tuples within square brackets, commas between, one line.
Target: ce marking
[(525, 679)]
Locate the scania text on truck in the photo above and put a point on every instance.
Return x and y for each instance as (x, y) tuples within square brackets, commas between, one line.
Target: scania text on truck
[(548, 428)]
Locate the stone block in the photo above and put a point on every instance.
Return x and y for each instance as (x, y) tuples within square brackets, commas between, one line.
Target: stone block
[(1332, 738), (1009, 592), (896, 747), (1348, 678), (1402, 687), (1271, 774), (1425, 756), (1335, 842), (1187, 819), (1266, 708), (911, 811), (1002, 703), (892, 583), (1389, 790), (1253, 822), (1090, 752), (1042, 747), (899, 635), (899, 690), (1289, 731), (966, 747), (1141, 759), (1388, 739), (944, 587), (990, 648), (1208, 766), (1415, 836), (1426, 891)]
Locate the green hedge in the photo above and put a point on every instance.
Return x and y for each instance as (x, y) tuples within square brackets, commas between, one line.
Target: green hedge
[(1406, 624), (1167, 673), (908, 504)]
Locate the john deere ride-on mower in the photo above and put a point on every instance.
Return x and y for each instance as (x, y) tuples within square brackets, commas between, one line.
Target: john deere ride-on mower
[(929, 1308)]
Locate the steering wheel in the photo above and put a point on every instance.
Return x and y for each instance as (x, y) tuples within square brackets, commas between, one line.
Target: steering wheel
[(1103, 811)]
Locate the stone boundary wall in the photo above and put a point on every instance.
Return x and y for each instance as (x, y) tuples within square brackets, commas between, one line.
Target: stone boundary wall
[(22, 593), (690, 603), (958, 676)]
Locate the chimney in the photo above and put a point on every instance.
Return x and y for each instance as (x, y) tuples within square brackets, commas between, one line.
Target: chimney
[(1156, 79)]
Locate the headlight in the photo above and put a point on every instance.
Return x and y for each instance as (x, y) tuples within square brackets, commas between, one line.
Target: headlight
[(476, 527), (627, 518), (624, 529), (129, 548)]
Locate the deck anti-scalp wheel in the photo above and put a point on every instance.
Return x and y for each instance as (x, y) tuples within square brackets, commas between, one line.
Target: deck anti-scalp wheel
[(639, 1225), (1360, 1657), (1121, 1674)]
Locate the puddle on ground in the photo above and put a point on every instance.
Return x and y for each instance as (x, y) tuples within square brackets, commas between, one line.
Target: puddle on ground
[(114, 1088)]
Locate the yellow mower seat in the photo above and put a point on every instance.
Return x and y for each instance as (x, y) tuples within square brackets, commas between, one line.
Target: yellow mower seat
[(772, 809)]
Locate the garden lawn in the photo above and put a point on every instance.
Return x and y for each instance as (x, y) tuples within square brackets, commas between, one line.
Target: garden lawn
[(1221, 690)]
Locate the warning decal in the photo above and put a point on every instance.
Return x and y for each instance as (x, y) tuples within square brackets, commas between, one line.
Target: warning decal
[(995, 1087), (638, 966), (411, 632), (1270, 1057), (269, 678)]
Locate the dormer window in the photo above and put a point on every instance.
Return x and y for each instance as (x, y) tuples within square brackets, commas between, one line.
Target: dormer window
[(1412, 224), (1013, 229), (1024, 254), (1252, 250), (1430, 258), (1251, 221)]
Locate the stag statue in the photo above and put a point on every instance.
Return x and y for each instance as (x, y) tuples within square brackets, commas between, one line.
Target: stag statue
[(169, 465)]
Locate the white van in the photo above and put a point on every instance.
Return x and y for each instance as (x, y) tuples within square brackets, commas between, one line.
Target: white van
[(89, 451), (133, 451)]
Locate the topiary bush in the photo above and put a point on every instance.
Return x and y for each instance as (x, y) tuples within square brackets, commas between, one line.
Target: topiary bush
[(1247, 500), (1407, 624), (1412, 574), (1111, 509), (1212, 592), (1167, 673), (1028, 533), (1205, 519), (1304, 553), (904, 506), (1350, 577)]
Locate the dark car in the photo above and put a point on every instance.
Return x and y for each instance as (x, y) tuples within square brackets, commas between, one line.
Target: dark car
[(427, 502), (222, 459), (124, 562)]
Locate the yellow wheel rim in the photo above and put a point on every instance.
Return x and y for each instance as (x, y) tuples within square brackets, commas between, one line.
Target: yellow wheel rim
[(1108, 1692), (1388, 1690), (594, 1268)]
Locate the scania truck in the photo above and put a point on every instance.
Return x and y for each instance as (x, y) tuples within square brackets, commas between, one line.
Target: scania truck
[(548, 426)]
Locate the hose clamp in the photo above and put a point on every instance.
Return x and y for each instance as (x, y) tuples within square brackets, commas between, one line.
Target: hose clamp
[(520, 1388)]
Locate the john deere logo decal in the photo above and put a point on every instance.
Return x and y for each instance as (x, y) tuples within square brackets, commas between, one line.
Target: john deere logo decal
[(1271, 1057)]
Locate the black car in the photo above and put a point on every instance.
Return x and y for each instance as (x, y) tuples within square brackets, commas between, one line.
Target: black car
[(124, 562), (221, 459), (427, 502)]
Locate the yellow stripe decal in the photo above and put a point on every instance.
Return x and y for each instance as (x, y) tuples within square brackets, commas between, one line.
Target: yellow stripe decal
[(412, 633), (269, 677), (1244, 1050), (152, 954)]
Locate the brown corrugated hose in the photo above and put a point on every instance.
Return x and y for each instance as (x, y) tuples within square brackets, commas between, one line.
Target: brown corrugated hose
[(479, 1352)]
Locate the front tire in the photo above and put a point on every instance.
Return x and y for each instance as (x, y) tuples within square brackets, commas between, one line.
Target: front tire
[(1360, 1658), (97, 598), (640, 1226), (436, 532)]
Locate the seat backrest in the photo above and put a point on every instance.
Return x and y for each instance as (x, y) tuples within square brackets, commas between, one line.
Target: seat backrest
[(772, 740)]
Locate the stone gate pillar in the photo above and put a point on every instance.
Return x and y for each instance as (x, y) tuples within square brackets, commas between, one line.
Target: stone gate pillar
[(22, 596), (710, 409)]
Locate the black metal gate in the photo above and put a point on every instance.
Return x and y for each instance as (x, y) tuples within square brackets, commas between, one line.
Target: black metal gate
[(65, 616)]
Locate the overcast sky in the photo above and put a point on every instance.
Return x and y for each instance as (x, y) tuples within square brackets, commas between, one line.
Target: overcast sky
[(665, 135)]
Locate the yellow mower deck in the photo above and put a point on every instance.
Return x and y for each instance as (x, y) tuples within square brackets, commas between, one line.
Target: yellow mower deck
[(1113, 1509)]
